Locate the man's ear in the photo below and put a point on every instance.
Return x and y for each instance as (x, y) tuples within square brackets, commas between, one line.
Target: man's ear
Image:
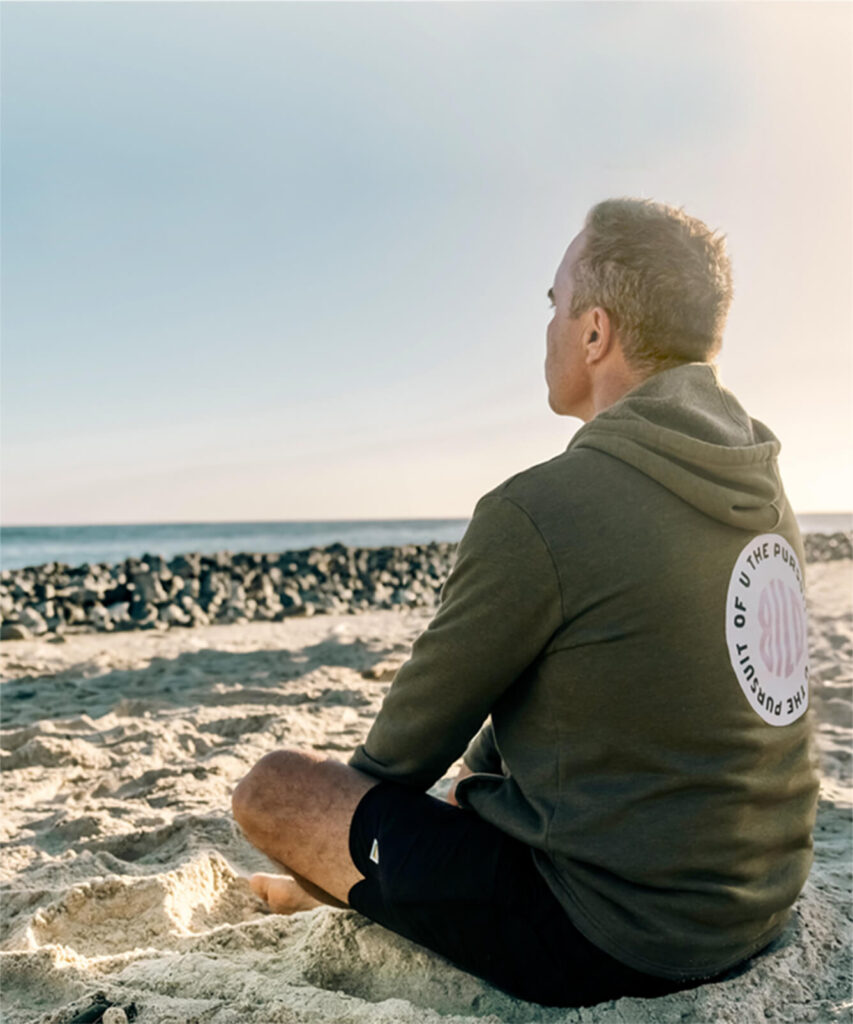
[(598, 343)]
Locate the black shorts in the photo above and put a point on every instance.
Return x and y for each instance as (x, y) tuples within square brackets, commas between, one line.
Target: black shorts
[(452, 882)]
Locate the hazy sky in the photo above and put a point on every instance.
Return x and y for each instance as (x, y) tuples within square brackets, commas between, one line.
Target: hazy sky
[(289, 261)]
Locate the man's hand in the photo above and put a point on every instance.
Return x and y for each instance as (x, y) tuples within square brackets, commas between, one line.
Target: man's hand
[(464, 772)]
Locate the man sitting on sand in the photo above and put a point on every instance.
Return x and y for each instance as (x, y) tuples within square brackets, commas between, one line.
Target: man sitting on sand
[(623, 634)]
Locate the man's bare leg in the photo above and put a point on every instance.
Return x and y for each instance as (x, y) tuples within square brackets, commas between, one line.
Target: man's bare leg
[(296, 807)]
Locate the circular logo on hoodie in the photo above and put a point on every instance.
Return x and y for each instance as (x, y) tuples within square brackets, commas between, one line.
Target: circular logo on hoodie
[(766, 629)]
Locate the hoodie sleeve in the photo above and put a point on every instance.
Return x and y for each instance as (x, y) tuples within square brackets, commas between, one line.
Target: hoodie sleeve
[(481, 754), (500, 605)]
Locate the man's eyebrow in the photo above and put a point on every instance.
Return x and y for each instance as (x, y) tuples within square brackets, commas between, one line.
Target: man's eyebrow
[(551, 294)]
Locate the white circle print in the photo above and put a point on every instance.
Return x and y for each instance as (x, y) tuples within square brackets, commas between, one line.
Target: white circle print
[(766, 629)]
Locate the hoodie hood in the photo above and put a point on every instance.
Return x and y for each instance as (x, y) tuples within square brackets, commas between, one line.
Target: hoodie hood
[(687, 432)]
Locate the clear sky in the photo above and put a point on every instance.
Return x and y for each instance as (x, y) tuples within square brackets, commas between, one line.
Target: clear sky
[(289, 261)]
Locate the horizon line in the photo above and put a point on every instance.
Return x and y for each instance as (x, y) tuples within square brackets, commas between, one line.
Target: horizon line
[(358, 519), (240, 522)]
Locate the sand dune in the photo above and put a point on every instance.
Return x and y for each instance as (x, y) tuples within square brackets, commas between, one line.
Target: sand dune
[(123, 871)]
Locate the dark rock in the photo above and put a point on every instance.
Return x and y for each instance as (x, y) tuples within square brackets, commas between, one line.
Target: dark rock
[(148, 587), (23, 588), (186, 566), (115, 594), (14, 631), (142, 613), (33, 621), (291, 600), (207, 584)]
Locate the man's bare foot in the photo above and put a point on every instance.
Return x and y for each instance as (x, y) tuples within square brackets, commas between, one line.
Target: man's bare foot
[(283, 894)]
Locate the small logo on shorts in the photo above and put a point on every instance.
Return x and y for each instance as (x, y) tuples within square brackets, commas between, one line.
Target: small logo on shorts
[(374, 851)]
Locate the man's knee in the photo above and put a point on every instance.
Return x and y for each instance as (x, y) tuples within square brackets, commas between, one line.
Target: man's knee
[(270, 787)]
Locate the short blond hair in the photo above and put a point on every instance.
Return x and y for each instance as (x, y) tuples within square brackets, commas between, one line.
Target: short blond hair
[(663, 277)]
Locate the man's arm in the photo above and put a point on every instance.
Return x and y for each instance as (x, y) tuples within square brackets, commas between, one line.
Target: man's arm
[(500, 606)]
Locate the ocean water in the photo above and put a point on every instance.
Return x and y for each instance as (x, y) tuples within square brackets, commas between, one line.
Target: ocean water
[(825, 522), (34, 545)]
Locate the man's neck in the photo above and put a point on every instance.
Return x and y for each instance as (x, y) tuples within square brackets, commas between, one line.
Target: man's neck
[(611, 385)]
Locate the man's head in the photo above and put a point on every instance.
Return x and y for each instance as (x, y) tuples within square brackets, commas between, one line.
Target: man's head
[(642, 288)]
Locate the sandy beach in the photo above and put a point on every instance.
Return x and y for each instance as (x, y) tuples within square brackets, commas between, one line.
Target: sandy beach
[(124, 873)]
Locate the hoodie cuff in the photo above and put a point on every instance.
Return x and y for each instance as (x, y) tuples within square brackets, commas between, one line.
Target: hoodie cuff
[(482, 753)]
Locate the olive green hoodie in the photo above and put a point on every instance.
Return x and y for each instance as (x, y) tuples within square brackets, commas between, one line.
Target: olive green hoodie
[(630, 615)]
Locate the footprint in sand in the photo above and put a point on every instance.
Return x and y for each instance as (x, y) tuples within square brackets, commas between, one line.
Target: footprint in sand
[(46, 751), (239, 725), (114, 915), (166, 843)]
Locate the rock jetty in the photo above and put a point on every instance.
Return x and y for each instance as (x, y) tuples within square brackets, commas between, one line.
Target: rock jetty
[(153, 592)]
